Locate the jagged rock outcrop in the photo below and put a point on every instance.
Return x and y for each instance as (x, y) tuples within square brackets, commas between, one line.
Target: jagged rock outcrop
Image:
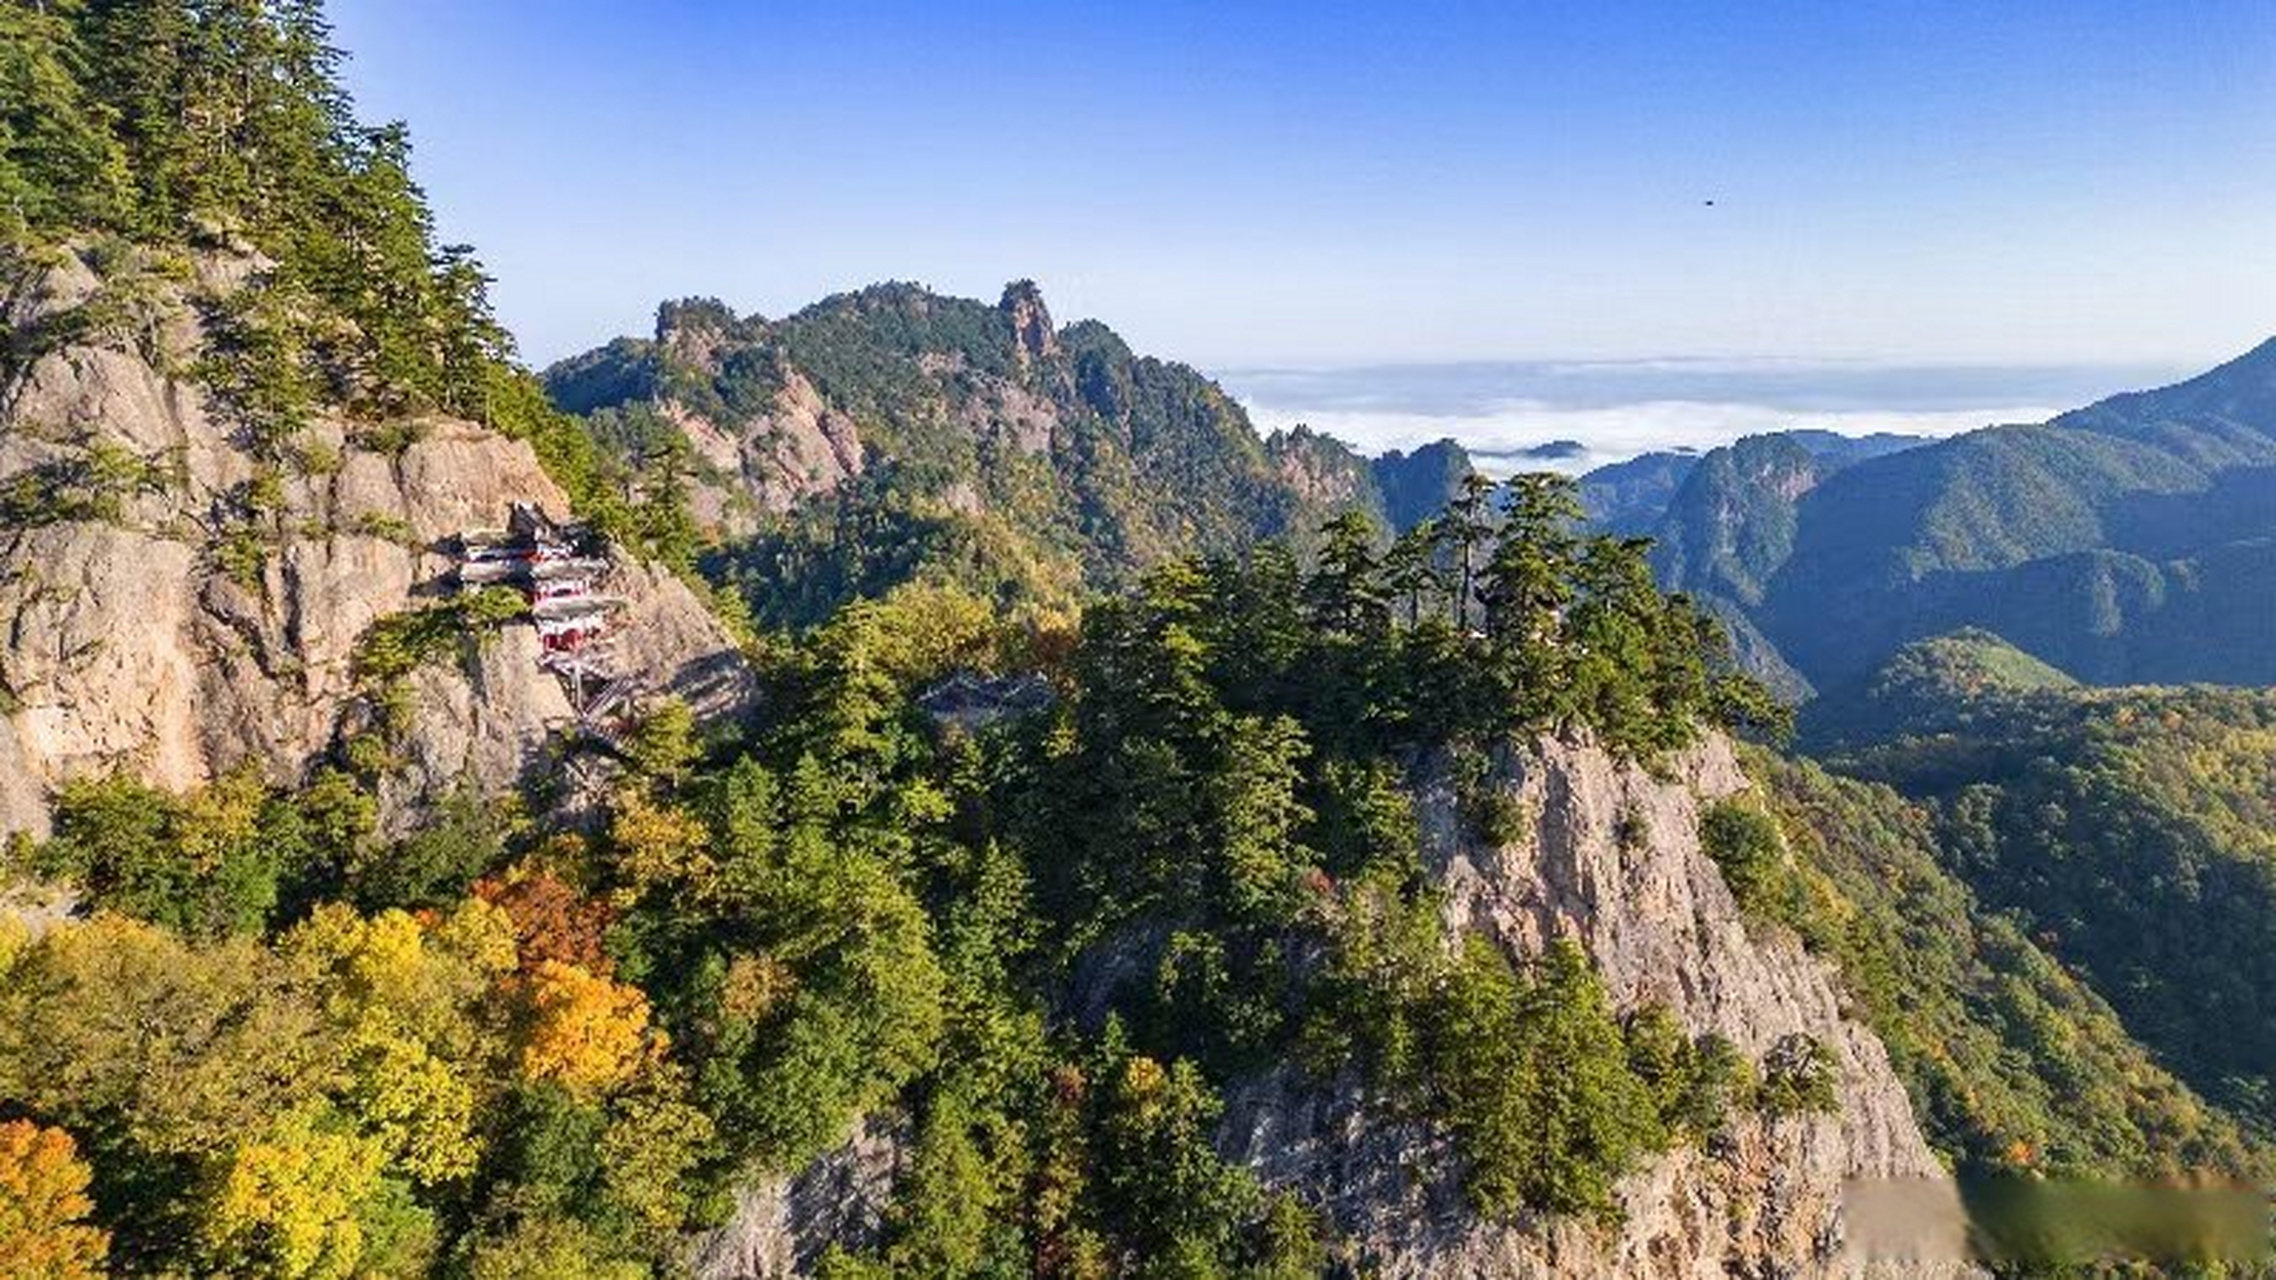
[(782, 1226), (172, 607), (893, 433), (1612, 860), (1032, 332)]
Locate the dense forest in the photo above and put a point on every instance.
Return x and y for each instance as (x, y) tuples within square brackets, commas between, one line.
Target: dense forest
[(894, 434), (522, 1051), (1085, 789), (2125, 542), (287, 1041), (2128, 830)]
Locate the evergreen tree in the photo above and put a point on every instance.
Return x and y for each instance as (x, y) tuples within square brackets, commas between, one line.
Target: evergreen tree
[(138, 51), (1346, 593), (1467, 522), (1528, 584), (1615, 632), (1410, 569), (59, 164)]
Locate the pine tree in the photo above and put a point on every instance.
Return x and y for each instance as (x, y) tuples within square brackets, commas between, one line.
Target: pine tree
[(1465, 526), (1346, 592), (59, 165), (1618, 647), (137, 56), (1528, 584), (1410, 569)]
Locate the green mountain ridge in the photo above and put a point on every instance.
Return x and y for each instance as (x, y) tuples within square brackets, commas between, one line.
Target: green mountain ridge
[(2125, 542), (964, 441), (906, 992), (2129, 831)]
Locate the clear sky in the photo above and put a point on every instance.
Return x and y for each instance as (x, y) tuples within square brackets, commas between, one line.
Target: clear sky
[(1243, 185)]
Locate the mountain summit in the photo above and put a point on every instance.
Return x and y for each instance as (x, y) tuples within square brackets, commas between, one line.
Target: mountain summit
[(893, 433)]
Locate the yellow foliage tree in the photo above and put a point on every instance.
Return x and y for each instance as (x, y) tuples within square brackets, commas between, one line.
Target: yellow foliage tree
[(658, 845), (403, 976), (289, 1204), (419, 1107), (584, 1031), (407, 995), (43, 1196), (184, 1048)]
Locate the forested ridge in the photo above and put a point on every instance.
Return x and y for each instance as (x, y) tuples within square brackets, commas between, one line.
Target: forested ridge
[(2124, 542), (893, 434), (496, 1046), (1085, 788), (2128, 830)]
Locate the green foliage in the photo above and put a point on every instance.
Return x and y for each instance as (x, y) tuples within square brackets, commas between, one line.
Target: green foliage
[(1032, 475), (1034, 948), (1748, 848), (395, 646), (2128, 832), (181, 126), (433, 866), (218, 860), (94, 485), (1798, 1074), (385, 526), (60, 164), (1940, 685), (1695, 1084), (1531, 1074), (665, 746), (552, 1247), (2012, 1062)]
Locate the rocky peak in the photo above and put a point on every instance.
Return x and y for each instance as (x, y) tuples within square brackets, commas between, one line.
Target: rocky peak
[(692, 329), (156, 619), (1031, 321), (1610, 857)]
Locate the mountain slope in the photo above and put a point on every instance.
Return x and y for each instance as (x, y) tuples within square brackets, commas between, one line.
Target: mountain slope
[(2015, 1064), (893, 433), (179, 605), (1632, 498), (2129, 831), (2123, 542)]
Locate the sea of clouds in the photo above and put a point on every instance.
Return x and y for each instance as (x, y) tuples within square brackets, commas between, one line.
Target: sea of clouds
[(1617, 409)]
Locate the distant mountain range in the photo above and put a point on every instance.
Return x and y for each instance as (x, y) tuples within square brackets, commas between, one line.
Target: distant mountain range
[(2130, 541), (1632, 497)]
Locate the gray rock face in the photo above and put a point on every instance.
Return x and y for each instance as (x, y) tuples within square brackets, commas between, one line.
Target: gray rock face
[(800, 447), (782, 1226), (1613, 862), (125, 642)]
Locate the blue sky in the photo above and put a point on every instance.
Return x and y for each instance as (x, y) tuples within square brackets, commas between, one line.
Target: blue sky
[(1265, 185)]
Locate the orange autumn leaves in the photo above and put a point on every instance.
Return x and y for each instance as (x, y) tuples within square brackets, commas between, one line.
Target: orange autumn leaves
[(43, 1199), (579, 1027), (583, 1031)]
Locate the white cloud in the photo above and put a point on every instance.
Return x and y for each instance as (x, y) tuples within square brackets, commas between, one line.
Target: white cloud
[(1616, 432)]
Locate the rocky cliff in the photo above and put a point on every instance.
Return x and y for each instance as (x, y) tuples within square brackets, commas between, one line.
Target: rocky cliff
[(173, 604), (1610, 858)]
